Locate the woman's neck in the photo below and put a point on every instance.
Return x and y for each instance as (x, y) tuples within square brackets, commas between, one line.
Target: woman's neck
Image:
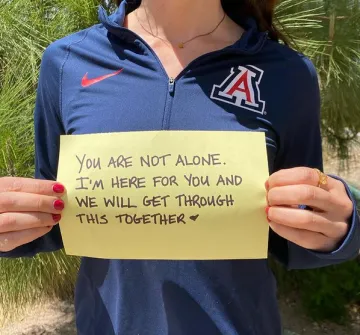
[(179, 31), (177, 20)]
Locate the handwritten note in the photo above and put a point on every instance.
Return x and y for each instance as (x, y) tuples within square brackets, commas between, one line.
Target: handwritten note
[(165, 195)]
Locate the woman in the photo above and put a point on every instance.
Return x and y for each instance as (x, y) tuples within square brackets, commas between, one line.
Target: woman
[(191, 65)]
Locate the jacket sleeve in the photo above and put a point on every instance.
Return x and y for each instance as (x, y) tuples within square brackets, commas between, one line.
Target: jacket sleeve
[(301, 146), (48, 128)]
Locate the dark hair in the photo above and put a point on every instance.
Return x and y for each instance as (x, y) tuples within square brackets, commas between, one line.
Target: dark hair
[(261, 10)]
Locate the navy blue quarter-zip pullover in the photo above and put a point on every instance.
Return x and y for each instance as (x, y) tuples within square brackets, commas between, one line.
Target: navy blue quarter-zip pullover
[(107, 79)]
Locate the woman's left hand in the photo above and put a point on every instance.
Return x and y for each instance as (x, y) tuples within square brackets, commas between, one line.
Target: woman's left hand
[(320, 229)]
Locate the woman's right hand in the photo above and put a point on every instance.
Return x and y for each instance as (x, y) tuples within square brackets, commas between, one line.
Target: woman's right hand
[(29, 208)]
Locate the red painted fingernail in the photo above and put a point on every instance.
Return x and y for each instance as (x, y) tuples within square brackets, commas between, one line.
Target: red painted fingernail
[(58, 188), (59, 205), (267, 185), (56, 217), (267, 213)]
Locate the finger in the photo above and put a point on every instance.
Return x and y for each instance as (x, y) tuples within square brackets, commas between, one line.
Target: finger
[(299, 176), (345, 204), (22, 221), (35, 186), (305, 238), (312, 196), (27, 202), (10, 241), (307, 220)]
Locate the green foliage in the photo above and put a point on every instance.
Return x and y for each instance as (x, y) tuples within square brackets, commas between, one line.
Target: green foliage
[(325, 293), (26, 28), (328, 31), (16, 133), (26, 280)]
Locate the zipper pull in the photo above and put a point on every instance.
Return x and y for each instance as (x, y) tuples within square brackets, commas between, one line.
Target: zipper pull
[(171, 85)]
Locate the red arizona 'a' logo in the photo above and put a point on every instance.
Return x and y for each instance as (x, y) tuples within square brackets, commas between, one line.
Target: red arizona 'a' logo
[(241, 88)]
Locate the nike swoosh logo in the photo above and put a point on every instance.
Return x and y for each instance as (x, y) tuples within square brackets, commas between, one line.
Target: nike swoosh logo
[(86, 82)]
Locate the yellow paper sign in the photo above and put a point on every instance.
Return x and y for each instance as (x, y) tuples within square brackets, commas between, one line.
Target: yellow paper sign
[(175, 195)]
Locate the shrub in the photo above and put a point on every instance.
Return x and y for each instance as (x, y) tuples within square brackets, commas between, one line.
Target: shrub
[(324, 293)]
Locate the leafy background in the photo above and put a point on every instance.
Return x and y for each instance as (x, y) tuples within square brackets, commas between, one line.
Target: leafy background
[(326, 30)]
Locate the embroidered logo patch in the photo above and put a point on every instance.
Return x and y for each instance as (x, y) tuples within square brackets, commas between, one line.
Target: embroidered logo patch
[(241, 88)]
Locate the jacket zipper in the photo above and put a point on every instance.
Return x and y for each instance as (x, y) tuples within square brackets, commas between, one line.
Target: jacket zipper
[(171, 85), (168, 104)]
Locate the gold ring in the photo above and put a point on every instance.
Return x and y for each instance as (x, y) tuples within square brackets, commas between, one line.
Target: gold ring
[(323, 178)]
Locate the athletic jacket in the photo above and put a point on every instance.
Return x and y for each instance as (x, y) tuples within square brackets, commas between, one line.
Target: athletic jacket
[(107, 79)]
